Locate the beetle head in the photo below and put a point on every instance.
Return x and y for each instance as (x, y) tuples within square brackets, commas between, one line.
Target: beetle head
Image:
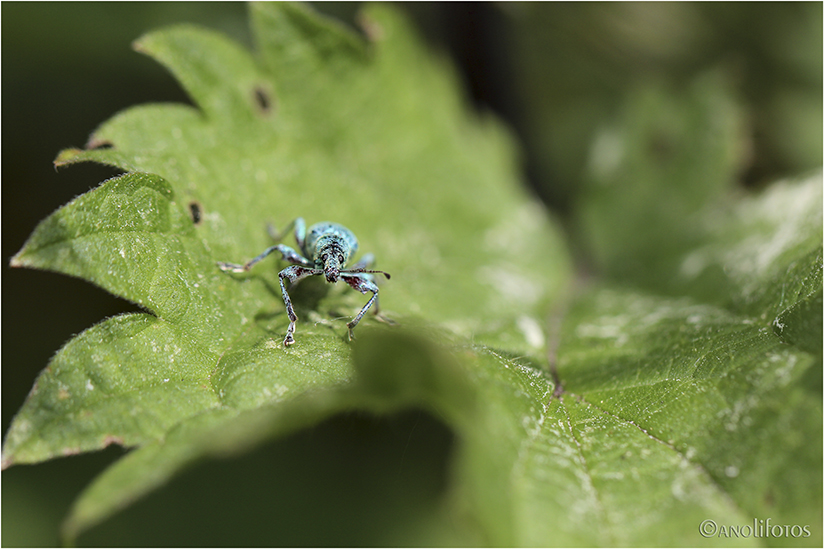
[(331, 258)]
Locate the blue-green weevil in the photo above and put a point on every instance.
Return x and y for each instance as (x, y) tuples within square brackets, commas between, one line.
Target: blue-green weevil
[(326, 248)]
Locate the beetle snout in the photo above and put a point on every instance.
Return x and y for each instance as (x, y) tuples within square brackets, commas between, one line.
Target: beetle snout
[(331, 274)]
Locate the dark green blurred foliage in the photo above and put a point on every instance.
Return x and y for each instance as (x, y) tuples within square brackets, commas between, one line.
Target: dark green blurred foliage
[(558, 73), (326, 486), (66, 68), (574, 65)]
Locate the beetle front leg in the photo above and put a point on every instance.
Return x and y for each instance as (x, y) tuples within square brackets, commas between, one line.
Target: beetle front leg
[(293, 274), (235, 268), (288, 254), (363, 284)]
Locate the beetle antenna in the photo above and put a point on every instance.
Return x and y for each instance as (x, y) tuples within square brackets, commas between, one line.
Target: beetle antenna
[(348, 271)]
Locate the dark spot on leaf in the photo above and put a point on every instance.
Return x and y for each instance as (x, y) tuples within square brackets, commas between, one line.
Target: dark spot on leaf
[(196, 211), (263, 100)]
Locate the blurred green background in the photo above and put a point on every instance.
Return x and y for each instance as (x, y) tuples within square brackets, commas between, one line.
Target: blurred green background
[(554, 72)]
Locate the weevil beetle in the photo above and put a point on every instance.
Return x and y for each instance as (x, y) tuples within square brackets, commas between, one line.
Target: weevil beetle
[(326, 249)]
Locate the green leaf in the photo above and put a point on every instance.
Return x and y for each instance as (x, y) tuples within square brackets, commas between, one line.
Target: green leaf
[(321, 125), (685, 386)]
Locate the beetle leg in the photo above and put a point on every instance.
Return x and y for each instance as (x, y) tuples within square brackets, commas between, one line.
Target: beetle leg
[(235, 268), (293, 273), (288, 254), (300, 231), (362, 283), (294, 257)]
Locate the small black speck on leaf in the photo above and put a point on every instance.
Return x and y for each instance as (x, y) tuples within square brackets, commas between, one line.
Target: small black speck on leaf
[(196, 211), (263, 100)]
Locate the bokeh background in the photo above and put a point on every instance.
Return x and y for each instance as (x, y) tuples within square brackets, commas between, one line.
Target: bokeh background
[(554, 72)]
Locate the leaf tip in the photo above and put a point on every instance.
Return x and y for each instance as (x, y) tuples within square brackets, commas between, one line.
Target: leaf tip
[(67, 156), (96, 142), (139, 45), (19, 259), (371, 28)]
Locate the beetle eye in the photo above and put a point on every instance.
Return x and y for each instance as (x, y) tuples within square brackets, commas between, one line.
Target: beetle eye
[(340, 259), (323, 257)]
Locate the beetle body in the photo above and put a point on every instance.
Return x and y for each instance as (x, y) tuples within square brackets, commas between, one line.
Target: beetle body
[(330, 246), (325, 250)]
